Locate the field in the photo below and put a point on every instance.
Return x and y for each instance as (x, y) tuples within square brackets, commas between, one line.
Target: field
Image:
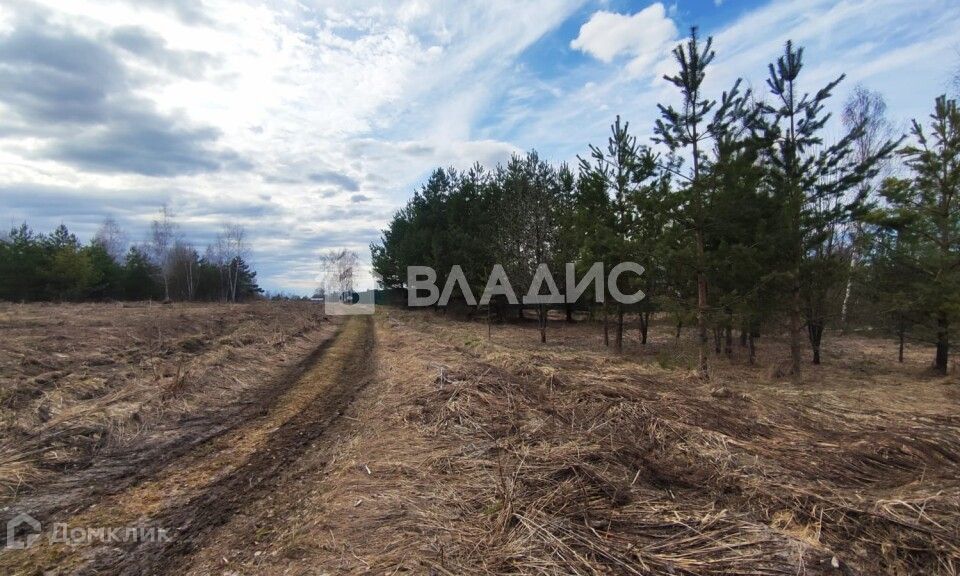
[(265, 439)]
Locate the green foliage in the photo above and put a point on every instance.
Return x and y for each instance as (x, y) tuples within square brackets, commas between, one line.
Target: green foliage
[(920, 255), (817, 190), (58, 268), (139, 277), (744, 220), (247, 287), (517, 215), (699, 122), (632, 220), (23, 260)]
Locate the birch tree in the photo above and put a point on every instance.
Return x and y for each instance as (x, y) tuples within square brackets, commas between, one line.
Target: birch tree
[(113, 239), (236, 250), (162, 237), (867, 110)]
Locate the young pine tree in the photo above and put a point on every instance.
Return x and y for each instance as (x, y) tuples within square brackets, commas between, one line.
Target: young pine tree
[(926, 212), (809, 180), (622, 168), (698, 120)]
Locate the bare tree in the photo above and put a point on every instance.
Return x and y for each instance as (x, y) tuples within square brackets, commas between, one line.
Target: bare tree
[(864, 109), (162, 238), (113, 239), (214, 255), (232, 243), (184, 262), (338, 270)]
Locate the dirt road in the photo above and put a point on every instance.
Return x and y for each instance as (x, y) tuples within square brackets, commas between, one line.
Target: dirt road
[(192, 495)]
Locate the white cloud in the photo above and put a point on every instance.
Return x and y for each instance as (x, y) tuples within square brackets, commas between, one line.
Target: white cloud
[(325, 101), (644, 36)]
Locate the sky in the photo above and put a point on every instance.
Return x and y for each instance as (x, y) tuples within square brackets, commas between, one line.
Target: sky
[(310, 122)]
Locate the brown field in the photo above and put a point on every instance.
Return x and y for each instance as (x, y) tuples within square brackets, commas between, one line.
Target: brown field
[(101, 391), (269, 441)]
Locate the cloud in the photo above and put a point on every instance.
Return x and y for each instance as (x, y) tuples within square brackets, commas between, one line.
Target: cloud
[(83, 210), (153, 48), (276, 114), (188, 11), (147, 144), (335, 179), (643, 37), (223, 106), (47, 77), (22, 201), (81, 100), (877, 43)]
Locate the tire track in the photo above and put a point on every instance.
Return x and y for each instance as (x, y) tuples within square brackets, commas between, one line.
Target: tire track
[(216, 480), (124, 468)]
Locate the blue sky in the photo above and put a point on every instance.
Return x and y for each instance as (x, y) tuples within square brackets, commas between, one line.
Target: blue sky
[(310, 122)]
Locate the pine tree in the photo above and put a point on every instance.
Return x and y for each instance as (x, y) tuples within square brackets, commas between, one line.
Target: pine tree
[(810, 182), (106, 274), (743, 236), (653, 205), (23, 265), (623, 168), (69, 272), (698, 120), (567, 248), (890, 267), (139, 276), (595, 225), (246, 280), (925, 212)]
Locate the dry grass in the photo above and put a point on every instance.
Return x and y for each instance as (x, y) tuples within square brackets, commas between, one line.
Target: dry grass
[(79, 380), (469, 456), (510, 457), (171, 496)]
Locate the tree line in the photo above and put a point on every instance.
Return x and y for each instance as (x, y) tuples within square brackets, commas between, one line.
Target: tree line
[(741, 212), (58, 267)]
